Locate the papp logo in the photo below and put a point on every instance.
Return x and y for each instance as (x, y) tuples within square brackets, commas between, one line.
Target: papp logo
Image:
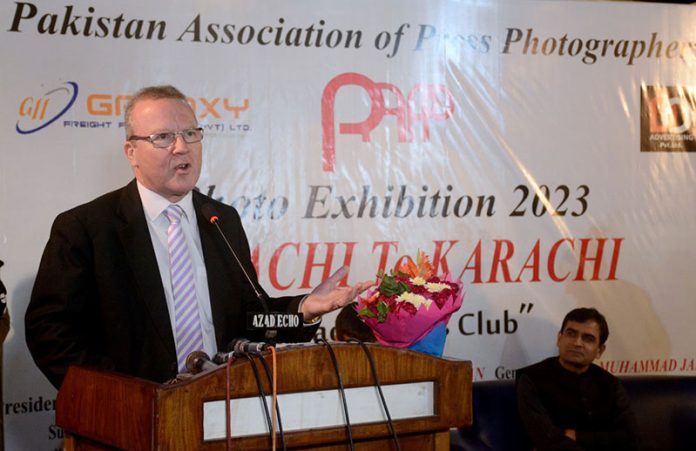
[(37, 113), (425, 103), (668, 119)]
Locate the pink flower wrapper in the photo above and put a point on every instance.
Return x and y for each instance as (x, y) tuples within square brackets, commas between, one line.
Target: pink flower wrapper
[(403, 329)]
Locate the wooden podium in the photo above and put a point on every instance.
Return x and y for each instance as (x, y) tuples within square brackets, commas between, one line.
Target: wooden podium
[(426, 396)]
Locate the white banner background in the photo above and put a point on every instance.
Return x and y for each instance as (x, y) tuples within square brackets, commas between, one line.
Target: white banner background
[(488, 116)]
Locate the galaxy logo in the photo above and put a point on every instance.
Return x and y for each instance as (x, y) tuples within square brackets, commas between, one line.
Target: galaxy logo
[(37, 113), (668, 119), (214, 112)]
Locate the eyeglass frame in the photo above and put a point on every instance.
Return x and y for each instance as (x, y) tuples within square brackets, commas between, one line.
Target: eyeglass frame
[(150, 138)]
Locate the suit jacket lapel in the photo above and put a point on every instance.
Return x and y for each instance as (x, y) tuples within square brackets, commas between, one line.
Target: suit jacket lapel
[(137, 245), (215, 258)]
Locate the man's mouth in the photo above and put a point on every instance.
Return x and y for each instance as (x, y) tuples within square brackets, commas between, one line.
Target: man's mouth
[(182, 166)]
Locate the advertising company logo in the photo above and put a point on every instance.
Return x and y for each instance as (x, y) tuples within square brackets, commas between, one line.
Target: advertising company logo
[(37, 113), (103, 104), (425, 102), (668, 119), (216, 113)]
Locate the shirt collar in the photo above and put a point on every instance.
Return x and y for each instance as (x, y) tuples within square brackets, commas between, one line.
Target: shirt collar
[(154, 204)]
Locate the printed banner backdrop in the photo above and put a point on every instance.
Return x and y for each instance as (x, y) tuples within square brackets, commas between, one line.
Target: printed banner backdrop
[(542, 152)]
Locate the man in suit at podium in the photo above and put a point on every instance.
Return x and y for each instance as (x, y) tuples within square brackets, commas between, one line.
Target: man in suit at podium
[(136, 279)]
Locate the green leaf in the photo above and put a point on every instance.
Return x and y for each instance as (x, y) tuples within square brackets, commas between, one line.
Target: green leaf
[(366, 312), (390, 286), (382, 311)]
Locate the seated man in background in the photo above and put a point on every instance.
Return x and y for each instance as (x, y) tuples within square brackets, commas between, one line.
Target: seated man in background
[(567, 402), (349, 325)]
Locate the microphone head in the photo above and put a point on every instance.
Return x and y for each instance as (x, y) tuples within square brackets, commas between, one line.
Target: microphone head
[(195, 361), (242, 346), (209, 213), (237, 345), (222, 357)]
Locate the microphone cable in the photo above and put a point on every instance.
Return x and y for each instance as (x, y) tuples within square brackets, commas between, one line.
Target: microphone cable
[(272, 379), (262, 393), (373, 369), (341, 390), (228, 413)]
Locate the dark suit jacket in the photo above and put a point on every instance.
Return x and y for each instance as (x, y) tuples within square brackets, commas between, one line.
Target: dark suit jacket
[(98, 297)]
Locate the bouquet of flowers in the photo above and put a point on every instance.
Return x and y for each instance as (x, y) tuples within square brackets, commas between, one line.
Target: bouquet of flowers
[(410, 307)]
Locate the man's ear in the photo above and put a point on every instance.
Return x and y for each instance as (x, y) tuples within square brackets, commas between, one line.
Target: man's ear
[(129, 150), (600, 351)]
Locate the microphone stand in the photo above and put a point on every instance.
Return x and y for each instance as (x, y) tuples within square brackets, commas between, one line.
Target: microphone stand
[(209, 212)]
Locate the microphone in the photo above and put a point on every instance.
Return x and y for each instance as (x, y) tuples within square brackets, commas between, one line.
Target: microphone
[(211, 216), (221, 358), (198, 361), (240, 347)]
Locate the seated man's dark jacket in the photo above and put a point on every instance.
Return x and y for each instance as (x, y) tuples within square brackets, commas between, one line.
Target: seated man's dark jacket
[(98, 297), (552, 399)]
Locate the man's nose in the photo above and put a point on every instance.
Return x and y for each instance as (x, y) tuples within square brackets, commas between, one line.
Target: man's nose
[(179, 145)]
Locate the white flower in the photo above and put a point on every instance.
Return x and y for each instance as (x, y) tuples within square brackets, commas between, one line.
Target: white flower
[(436, 287), (416, 299), (418, 281)]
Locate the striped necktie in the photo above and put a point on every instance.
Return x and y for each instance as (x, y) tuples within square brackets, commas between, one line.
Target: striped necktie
[(186, 320)]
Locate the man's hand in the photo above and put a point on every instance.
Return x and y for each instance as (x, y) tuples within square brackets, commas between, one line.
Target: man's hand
[(570, 433), (328, 296)]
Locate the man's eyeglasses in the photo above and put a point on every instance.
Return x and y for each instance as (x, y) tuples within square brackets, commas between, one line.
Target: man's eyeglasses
[(166, 139)]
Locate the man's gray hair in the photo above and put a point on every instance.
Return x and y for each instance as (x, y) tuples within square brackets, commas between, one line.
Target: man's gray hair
[(150, 93)]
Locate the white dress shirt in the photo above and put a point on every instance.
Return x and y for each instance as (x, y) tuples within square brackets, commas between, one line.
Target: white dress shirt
[(157, 223)]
